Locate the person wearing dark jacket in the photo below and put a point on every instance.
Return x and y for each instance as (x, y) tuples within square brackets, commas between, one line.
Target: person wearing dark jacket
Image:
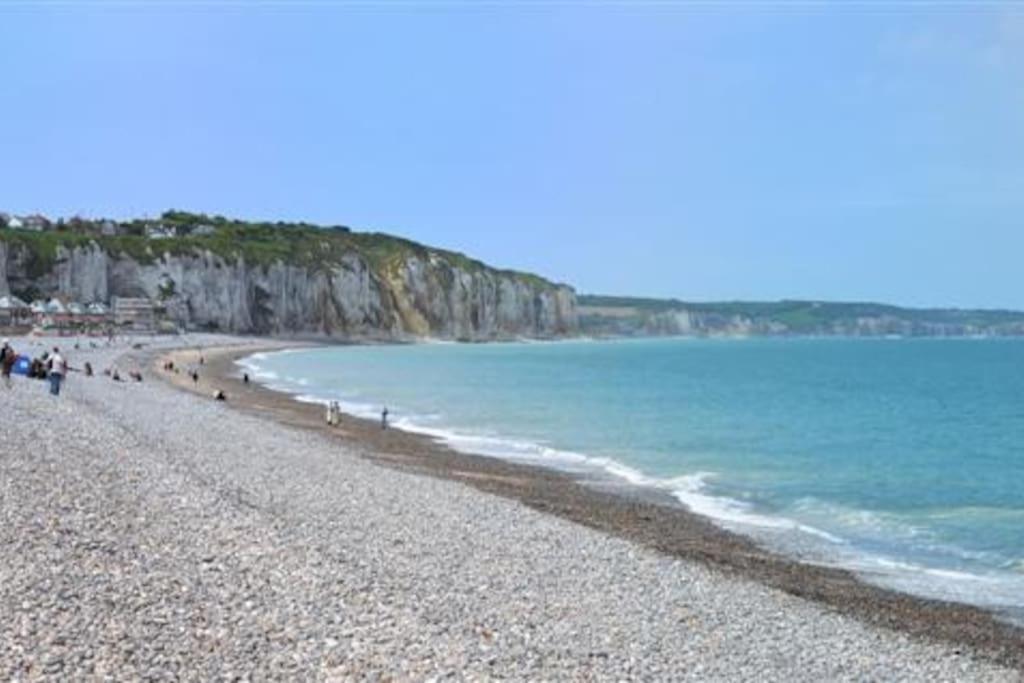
[(7, 360)]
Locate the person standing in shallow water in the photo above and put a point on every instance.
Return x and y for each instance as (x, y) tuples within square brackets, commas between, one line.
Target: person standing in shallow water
[(58, 368)]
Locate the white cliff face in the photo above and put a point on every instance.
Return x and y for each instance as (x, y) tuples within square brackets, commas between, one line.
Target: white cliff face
[(453, 301), (415, 297), (4, 287), (83, 271)]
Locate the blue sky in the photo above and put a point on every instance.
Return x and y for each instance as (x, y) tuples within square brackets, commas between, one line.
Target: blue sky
[(867, 151)]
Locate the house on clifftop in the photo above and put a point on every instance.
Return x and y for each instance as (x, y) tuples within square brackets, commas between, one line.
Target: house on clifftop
[(36, 222), (160, 231)]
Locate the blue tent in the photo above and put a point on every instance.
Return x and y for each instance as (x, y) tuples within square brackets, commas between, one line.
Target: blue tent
[(22, 365)]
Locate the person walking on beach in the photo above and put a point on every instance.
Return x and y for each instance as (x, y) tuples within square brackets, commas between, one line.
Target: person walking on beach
[(384, 418), (58, 368), (7, 358)]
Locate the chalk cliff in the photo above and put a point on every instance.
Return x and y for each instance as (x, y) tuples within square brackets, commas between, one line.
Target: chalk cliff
[(372, 287)]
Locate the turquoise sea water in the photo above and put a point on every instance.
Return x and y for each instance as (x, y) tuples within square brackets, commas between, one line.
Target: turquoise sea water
[(902, 459)]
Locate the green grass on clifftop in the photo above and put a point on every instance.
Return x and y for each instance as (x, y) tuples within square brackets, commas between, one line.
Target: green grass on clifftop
[(257, 243)]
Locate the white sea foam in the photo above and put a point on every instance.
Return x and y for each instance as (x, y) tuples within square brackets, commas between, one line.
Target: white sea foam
[(265, 375), (997, 590), (692, 491), (856, 520)]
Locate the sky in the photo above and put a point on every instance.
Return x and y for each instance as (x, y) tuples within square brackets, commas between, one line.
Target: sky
[(704, 151)]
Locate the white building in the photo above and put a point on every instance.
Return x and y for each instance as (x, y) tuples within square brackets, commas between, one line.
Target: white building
[(134, 314), (159, 231), (35, 222)]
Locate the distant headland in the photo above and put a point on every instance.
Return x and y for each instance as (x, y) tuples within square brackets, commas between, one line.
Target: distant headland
[(629, 316)]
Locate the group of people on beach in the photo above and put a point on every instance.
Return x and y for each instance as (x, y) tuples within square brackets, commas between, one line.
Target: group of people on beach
[(53, 367), (333, 416), (50, 366), (193, 374)]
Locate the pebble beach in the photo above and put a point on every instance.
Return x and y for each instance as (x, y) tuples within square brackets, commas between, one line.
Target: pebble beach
[(149, 533)]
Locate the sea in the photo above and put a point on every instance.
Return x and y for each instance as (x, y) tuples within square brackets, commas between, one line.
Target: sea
[(900, 459)]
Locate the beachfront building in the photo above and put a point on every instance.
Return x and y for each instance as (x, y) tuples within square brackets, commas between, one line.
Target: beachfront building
[(97, 313), (57, 315), (89, 318), (14, 312), (57, 312), (133, 314), (51, 315)]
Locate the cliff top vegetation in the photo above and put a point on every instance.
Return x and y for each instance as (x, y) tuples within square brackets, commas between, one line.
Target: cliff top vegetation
[(260, 243)]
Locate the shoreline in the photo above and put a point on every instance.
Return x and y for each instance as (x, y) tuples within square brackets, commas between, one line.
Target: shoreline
[(653, 519)]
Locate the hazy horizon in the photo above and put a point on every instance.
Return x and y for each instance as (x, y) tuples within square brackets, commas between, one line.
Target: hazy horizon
[(693, 151)]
